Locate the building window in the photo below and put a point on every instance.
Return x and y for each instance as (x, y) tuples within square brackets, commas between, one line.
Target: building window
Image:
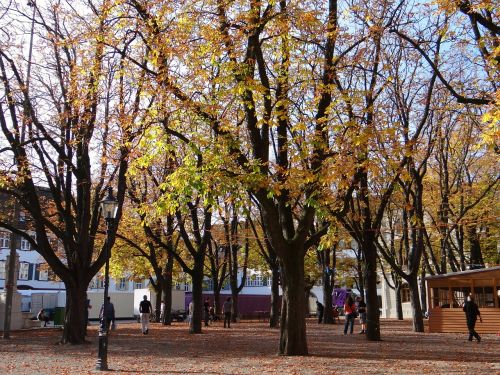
[(484, 296), (208, 284), (43, 272), (24, 269), (4, 240), (122, 284), (182, 286), (459, 296), (138, 285), (99, 282), (255, 280), (2, 269), (25, 245)]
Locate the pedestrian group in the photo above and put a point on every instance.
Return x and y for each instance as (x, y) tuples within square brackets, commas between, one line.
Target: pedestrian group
[(352, 310)]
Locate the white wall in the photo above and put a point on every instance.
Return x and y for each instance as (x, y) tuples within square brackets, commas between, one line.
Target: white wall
[(178, 299), (122, 301), (389, 302), (16, 318)]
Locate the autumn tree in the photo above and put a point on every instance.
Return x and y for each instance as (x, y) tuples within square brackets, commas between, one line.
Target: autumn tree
[(236, 38), (68, 132), (465, 178), (294, 102), (368, 158), (145, 249)]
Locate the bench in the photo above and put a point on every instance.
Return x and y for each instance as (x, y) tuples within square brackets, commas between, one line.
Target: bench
[(260, 316)]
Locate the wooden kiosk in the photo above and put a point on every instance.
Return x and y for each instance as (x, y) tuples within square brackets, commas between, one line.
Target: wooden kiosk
[(447, 293)]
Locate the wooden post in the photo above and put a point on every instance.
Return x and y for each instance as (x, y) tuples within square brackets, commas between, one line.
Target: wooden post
[(430, 295), (495, 293), (449, 294)]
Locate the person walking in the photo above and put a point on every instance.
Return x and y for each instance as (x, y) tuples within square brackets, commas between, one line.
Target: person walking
[(319, 310), (108, 312), (362, 313), (206, 311), (226, 307), (145, 309), (471, 313), (350, 315)]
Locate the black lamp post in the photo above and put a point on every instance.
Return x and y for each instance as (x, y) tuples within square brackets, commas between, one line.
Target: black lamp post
[(109, 207)]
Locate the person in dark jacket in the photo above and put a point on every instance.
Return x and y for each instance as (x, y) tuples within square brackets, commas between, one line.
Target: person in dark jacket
[(206, 311), (361, 306), (471, 313), (319, 310), (227, 307), (145, 309), (108, 311)]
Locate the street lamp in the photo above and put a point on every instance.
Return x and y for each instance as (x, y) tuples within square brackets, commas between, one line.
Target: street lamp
[(109, 206)]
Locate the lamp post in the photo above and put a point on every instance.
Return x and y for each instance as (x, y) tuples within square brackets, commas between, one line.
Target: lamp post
[(109, 206)]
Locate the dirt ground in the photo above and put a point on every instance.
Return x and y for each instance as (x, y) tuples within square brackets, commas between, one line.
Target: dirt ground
[(251, 348)]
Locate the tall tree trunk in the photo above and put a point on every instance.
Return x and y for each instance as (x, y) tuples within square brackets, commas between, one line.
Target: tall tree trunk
[(217, 305), (359, 270), (328, 317), (234, 307), (446, 252), (158, 293), (423, 290), (167, 290), (459, 236), (74, 330), (307, 295), (418, 319), (274, 314), (233, 280), (399, 303), (329, 285), (167, 299), (197, 282), (476, 256), (372, 307), (293, 323)]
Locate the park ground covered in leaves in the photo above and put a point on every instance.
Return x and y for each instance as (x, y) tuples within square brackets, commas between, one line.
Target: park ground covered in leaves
[(251, 348)]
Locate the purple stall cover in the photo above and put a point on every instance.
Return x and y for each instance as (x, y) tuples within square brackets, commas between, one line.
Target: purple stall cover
[(339, 296)]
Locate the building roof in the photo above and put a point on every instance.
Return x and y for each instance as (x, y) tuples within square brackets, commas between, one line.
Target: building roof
[(470, 274)]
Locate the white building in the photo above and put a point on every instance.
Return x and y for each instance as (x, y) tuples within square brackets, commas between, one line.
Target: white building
[(39, 288)]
